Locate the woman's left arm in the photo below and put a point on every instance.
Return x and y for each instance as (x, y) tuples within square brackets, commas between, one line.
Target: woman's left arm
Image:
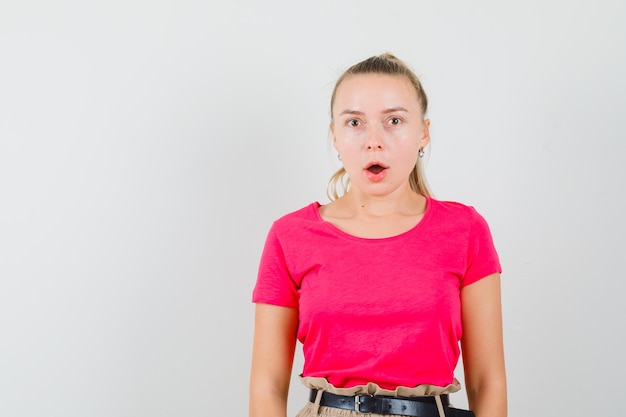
[(483, 347)]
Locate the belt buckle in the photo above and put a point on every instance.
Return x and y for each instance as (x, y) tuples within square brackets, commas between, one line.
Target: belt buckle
[(357, 404)]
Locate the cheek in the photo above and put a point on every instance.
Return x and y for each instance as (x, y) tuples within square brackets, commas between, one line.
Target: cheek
[(351, 137), (409, 140), (348, 142)]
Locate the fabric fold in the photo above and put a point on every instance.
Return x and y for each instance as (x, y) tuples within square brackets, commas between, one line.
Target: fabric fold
[(373, 389)]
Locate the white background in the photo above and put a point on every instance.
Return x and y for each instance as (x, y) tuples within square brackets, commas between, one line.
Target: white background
[(146, 147)]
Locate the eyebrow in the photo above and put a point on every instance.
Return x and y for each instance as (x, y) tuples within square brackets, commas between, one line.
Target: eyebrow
[(395, 109), (360, 113)]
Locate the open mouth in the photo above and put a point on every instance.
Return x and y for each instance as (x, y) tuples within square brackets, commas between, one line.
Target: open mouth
[(376, 168)]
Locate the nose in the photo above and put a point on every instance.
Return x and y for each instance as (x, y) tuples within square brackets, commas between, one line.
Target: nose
[(374, 139)]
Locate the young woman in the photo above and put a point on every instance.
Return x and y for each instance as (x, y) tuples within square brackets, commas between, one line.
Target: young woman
[(381, 284)]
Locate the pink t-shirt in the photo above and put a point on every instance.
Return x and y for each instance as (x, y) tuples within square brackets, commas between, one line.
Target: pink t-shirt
[(385, 311)]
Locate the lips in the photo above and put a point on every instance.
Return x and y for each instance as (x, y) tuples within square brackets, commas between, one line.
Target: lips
[(376, 171)]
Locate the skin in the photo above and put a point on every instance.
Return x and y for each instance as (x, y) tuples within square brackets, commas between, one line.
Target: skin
[(377, 119), (482, 347), (272, 359)]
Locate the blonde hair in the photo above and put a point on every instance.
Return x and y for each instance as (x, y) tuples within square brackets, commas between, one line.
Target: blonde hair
[(386, 64)]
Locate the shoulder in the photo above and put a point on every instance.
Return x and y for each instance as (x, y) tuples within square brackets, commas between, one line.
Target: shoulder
[(307, 212), (297, 218), (452, 209), (457, 217)]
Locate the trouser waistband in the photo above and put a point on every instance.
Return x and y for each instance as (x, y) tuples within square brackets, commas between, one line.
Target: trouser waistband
[(377, 404)]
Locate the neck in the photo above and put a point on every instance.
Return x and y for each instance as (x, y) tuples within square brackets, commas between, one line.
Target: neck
[(403, 201)]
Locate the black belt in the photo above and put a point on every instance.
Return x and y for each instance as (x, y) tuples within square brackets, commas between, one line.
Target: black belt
[(378, 404)]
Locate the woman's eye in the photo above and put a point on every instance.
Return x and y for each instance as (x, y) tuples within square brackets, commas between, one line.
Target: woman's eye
[(353, 123), (394, 121)]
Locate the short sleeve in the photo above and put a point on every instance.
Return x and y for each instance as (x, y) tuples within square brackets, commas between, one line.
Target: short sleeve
[(274, 284), (482, 257)]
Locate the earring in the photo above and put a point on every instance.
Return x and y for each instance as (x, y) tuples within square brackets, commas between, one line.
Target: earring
[(421, 153), (339, 157)]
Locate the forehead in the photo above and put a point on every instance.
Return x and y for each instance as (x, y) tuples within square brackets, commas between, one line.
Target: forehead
[(375, 90)]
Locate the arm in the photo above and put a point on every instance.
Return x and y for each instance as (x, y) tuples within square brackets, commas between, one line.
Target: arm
[(272, 359), (482, 346)]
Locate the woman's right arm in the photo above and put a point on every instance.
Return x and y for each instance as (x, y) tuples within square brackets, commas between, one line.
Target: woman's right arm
[(272, 359)]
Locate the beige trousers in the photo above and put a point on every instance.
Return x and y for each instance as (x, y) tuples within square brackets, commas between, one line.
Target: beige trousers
[(321, 384)]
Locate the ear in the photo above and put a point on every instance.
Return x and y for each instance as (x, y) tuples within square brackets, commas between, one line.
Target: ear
[(332, 134), (425, 138)]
